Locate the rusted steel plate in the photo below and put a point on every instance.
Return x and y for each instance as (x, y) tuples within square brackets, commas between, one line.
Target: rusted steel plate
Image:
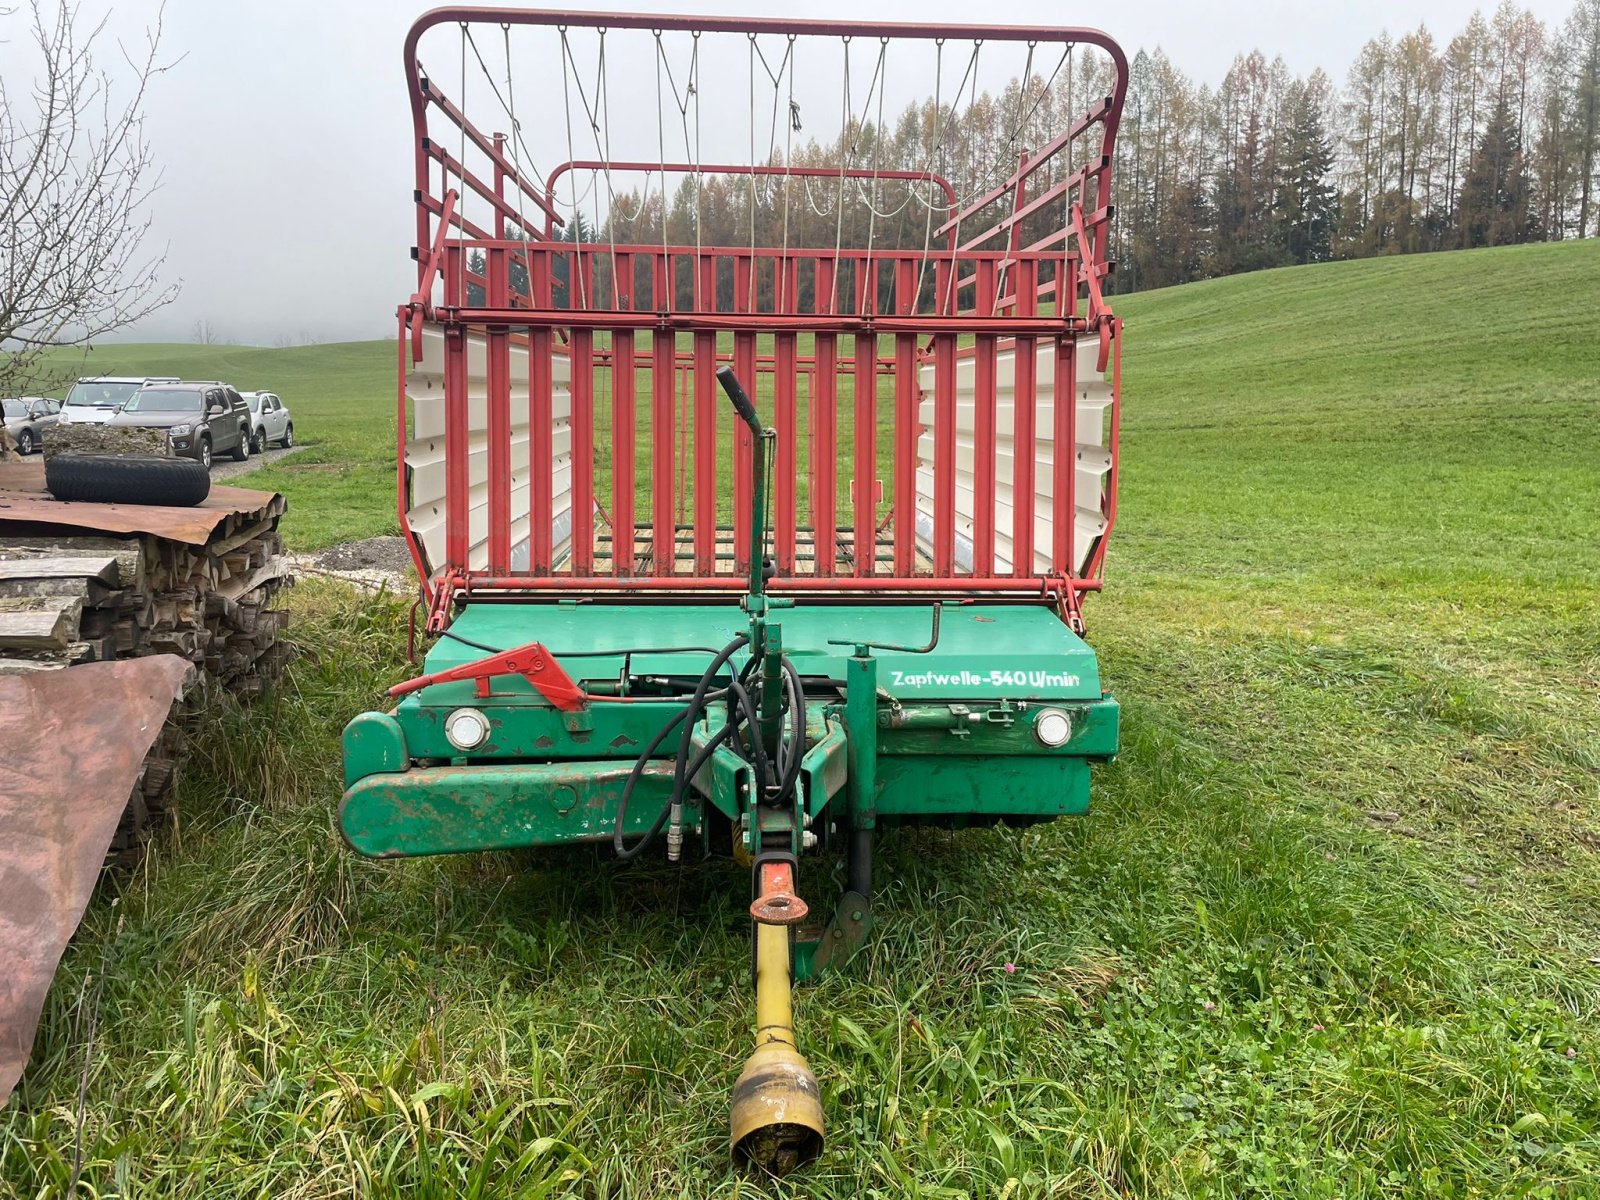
[(74, 739), (23, 499)]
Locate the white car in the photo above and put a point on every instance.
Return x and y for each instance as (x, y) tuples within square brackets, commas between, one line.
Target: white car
[(96, 401), (269, 421)]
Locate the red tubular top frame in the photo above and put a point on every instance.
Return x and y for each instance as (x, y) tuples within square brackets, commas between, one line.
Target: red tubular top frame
[(987, 286)]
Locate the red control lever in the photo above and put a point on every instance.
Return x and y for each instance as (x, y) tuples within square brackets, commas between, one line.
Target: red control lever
[(532, 662)]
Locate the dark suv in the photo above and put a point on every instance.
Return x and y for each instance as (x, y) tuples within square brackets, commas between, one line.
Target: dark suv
[(201, 419)]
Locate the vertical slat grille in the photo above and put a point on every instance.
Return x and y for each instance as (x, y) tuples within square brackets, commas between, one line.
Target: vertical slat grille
[(943, 421)]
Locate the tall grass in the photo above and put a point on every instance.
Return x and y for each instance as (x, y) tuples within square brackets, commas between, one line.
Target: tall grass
[(1330, 931)]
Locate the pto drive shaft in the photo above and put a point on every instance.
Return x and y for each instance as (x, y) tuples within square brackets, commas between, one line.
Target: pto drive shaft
[(777, 1106)]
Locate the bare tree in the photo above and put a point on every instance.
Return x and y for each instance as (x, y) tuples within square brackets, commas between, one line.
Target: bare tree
[(76, 177), (205, 333)]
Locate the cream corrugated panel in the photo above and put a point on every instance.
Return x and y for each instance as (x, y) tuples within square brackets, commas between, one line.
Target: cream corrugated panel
[(425, 452), (1093, 458)]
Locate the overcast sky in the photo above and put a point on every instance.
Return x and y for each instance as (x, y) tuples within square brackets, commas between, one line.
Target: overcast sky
[(285, 132)]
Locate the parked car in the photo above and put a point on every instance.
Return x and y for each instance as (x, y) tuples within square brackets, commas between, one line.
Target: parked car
[(269, 421), (95, 401), (26, 416), (201, 419)]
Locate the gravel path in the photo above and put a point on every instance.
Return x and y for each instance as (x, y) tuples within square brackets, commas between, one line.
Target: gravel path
[(226, 468), (380, 562)]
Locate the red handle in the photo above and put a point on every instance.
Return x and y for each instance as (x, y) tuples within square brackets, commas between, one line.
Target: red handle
[(533, 662)]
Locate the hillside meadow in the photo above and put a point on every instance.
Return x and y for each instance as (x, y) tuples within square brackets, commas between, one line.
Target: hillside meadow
[(1332, 929)]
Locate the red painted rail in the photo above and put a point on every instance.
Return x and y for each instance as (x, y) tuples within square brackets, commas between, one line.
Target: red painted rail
[(904, 384)]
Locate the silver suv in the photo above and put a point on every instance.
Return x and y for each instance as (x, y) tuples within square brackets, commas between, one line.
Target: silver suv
[(269, 421)]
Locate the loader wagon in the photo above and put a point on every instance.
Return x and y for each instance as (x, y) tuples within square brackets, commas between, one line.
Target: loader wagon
[(755, 464)]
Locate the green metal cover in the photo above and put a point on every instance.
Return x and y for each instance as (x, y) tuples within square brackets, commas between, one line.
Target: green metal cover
[(985, 651), (949, 736)]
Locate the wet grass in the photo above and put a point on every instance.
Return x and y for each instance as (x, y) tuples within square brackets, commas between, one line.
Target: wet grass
[(1331, 930), (342, 397)]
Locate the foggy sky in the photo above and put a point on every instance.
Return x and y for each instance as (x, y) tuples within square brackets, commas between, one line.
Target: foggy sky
[(285, 133)]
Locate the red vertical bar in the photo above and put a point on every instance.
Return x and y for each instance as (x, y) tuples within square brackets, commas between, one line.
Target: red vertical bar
[(944, 455), (866, 471), (1064, 460), (825, 452), (791, 286), (705, 453), (826, 296), (497, 367), (541, 423), (905, 286), (623, 426), (907, 399), (706, 291), (660, 283), (985, 419), (783, 392), (744, 366), (685, 384), (582, 354), (457, 485), (866, 286), (623, 281), (1024, 402), (500, 188), (664, 536)]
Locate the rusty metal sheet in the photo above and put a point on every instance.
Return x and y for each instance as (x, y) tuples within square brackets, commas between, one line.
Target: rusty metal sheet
[(23, 499), (74, 739)]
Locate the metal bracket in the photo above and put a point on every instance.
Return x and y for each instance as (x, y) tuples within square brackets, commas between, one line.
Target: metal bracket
[(845, 934), (439, 603), (1074, 608)]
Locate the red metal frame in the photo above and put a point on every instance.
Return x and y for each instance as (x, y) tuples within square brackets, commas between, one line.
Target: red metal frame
[(838, 531)]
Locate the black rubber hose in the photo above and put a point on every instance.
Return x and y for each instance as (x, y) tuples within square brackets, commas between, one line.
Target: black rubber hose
[(689, 716), (795, 690), (697, 705), (752, 721), (623, 850)]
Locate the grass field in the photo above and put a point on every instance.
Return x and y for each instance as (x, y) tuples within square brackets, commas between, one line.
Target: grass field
[(1333, 929)]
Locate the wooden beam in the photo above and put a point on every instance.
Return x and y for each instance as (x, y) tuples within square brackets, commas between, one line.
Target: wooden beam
[(47, 623)]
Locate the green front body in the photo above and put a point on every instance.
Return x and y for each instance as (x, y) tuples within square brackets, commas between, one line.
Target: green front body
[(946, 736)]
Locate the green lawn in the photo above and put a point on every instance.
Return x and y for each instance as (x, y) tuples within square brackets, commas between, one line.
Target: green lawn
[(1331, 931), (342, 397)]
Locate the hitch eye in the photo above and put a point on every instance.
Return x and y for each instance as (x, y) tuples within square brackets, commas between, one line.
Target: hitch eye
[(1052, 727), (466, 728)]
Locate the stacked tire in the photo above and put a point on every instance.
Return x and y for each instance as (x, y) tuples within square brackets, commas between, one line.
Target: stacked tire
[(127, 479)]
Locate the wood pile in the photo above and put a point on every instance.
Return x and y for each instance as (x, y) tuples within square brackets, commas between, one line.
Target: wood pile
[(67, 598)]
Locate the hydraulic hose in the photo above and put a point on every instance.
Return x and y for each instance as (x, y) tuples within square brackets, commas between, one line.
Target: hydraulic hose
[(688, 716), (742, 715)]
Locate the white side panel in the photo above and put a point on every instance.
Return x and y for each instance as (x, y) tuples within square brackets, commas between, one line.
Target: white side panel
[(425, 452), (1093, 458)]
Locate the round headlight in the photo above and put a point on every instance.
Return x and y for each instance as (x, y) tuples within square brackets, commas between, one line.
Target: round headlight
[(467, 728), (1052, 727)]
